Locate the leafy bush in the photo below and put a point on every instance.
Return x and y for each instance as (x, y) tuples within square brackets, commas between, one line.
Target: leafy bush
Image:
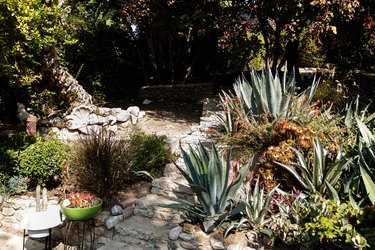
[(15, 185), (10, 146), (149, 153), (101, 164), (315, 221), (42, 161)]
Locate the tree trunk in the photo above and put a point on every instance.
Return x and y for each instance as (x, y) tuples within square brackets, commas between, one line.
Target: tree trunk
[(70, 90)]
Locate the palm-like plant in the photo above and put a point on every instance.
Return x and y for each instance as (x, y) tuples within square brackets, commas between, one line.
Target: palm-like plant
[(208, 177), (319, 176)]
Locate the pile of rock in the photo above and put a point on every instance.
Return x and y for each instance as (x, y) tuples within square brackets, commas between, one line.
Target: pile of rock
[(92, 119)]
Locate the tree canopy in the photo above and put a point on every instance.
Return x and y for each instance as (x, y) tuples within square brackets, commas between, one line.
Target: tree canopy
[(114, 47)]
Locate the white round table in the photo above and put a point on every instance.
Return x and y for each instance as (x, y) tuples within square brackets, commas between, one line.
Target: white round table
[(39, 224)]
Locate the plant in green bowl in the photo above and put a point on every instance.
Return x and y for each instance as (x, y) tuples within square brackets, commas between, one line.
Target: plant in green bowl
[(81, 206)]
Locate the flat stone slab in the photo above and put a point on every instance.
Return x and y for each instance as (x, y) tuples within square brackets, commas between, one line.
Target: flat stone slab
[(144, 228)]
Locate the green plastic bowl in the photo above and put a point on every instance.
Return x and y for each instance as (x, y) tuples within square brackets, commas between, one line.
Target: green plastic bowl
[(85, 213)]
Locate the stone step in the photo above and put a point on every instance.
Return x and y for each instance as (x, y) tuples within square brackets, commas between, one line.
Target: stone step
[(150, 206), (114, 245), (145, 232)]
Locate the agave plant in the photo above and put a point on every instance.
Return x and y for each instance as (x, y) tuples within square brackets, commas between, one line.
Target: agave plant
[(320, 176), (208, 178), (268, 96), (362, 150), (256, 208)]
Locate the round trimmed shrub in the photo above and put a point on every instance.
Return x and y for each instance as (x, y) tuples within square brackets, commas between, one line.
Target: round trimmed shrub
[(42, 161)]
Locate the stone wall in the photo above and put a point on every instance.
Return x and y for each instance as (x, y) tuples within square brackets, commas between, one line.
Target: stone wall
[(180, 92)]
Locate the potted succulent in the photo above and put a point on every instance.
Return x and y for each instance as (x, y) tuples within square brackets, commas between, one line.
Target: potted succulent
[(81, 206)]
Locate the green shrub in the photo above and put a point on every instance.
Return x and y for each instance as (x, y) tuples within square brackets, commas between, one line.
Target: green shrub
[(15, 185), (149, 153), (101, 165), (42, 161), (10, 146)]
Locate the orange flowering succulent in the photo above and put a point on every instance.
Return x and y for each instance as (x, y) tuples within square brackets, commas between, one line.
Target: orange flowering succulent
[(82, 200)]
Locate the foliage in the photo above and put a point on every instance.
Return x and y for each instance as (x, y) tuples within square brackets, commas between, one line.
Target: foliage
[(101, 164), (149, 153), (366, 223), (256, 209), (15, 185), (9, 149), (208, 177), (266, 100), (329, 223), (82, 200), (321, 176), (104, 51), (42, 161), (315, 221)]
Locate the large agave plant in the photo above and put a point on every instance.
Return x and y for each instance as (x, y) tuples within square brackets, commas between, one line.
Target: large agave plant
[(362, 149), (208, 177), (270, 94), (319, 176), (267, 96)]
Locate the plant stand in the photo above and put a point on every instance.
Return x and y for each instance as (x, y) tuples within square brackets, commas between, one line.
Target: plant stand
[(81, 230)]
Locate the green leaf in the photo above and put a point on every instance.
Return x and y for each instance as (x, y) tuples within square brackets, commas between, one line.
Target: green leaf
[(369, 184)]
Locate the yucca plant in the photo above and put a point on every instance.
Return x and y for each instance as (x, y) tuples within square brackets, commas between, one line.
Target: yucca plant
[(208, 178), (319, 176)]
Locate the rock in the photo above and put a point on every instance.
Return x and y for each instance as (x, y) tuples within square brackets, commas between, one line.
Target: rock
[(121, 115), (128, 203), (102, 231), (128, 211), (237, 240), (133, 119), (125, 124), (91, 129), (134, 110), (111, 119), (96, 119), (57, 122), (8, 211), (188, 228), (116, 210), (141, 114), (112, 128), (100, 218), (188, 244), (79, 117), (104, 111), (111, 221), (175, 232), (217, 245), (146, 102), (204, 248), (186, 236)]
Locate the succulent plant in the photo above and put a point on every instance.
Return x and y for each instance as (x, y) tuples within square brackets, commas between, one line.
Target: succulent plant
[(208, 177), (319, 176)]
